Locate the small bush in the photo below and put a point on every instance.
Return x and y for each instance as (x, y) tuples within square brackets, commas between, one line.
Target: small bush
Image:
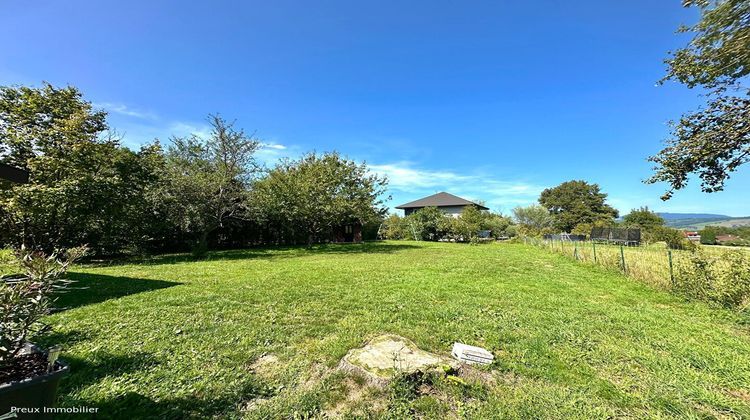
[(708, 236), (737, 242), (26, 300), (692, 278), (431, 224), (722, 279), (395, 227), (672, 237), (732, 282)]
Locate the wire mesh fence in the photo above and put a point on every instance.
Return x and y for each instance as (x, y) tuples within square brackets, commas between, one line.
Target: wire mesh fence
[(649, 264), (619, 236), (712, 274), (564, 237)]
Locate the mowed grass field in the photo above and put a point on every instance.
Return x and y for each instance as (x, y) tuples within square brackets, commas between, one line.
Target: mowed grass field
[(258, 334)]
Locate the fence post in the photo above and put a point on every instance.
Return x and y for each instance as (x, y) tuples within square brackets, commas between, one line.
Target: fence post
[(622, 259), (593, 244), (575, 250), (671, 271)]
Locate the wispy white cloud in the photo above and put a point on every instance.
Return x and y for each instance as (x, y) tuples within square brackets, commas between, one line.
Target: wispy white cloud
[(182, 128), (274, 146), (272, 151), (137, 133), (123, 109), (407, 181), (405, 177)]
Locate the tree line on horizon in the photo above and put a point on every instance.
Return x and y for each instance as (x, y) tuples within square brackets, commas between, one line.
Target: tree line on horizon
[(197, 191), (209, 191), (574, 207), (86, 188)]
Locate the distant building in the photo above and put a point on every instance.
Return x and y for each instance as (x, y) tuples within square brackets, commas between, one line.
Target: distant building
[(727, 238), (692, 235), (447, 203), (350, 232)]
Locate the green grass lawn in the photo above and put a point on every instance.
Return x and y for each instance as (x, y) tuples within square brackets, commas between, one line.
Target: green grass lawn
[(7, 265), (171, 337)]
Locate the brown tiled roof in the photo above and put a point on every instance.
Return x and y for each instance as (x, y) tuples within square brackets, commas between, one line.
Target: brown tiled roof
[(441, 199)]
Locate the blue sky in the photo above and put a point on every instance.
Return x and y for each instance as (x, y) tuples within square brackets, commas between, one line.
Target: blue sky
[(492, 100)]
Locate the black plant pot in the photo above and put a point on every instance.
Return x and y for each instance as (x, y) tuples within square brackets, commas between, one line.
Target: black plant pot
[(33, 394)]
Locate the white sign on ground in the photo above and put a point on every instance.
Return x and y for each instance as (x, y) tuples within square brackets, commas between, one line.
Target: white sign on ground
[(472, 354)]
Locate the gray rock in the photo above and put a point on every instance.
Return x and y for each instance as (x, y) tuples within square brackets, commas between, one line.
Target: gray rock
[(384, 356)]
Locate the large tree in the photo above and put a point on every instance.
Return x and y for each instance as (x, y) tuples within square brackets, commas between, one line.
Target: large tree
[(84, 187), (533, 220), (208, 178), (714, 141), (308, 197), (574, 202), (643, 218), (46, 123)]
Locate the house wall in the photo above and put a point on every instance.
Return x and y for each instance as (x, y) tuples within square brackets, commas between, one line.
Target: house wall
[(454, 211)]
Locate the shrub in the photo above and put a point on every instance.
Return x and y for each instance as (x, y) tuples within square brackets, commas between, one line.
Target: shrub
[(731, 285), (672, 237), (394, 227), (533, 220), (708, 236), (430, 224), (499, 226), (723, 279), (25, 300), (692, 278)]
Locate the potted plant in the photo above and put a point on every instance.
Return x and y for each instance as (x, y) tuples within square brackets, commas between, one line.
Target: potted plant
[(29, 375)]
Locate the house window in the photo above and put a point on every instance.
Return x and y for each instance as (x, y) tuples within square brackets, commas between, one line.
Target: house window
[(347, 229)]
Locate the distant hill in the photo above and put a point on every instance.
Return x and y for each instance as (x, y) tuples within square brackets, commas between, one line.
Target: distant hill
[(672, 216), (699, 220), (733, 222)]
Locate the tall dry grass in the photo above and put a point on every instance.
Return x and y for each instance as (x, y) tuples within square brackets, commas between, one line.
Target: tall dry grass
[(712, 274)]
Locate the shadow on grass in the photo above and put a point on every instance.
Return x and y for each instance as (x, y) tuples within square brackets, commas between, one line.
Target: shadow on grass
[(86, 372), (269, 252), (94, 288), (65, 339), (136, 404)]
